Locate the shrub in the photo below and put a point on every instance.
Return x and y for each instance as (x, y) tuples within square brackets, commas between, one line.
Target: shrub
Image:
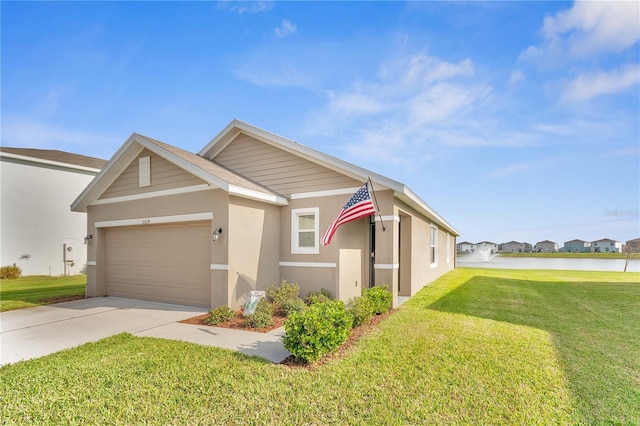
[(360, 309), (10, 272), (318, 330), (380, 297), (282, 293), (262, 317), (220, 315), (293, 305), (320, 296)]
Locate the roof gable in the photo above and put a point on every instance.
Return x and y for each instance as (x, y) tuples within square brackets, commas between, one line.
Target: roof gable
[(214, 174), (237, 128)]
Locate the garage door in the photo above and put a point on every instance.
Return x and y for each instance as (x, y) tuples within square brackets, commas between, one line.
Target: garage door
[(161, 263)]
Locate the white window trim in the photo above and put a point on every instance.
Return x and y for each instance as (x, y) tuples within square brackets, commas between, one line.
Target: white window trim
[(432, 244), (144, 164), (295, 249), (448, 248)]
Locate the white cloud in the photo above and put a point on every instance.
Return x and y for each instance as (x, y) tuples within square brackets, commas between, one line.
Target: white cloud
[(285, 29), (242, 7), (516, 77), (355, 103), (588, 28), (510, 170), (590, 85)]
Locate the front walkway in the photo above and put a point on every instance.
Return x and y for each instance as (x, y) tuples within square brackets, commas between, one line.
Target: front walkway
[(35, 332)]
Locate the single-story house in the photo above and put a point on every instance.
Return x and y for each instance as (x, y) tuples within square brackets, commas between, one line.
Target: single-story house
[(546, 246), (38, 232), (245, 212)]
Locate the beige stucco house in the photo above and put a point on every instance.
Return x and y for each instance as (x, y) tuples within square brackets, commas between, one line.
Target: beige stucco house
[(245, 212)]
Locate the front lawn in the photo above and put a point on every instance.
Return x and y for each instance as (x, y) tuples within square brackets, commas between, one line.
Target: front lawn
[(479, 346), (31, 291)]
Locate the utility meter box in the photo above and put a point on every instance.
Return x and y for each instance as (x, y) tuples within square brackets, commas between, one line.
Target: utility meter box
[(69, 252)]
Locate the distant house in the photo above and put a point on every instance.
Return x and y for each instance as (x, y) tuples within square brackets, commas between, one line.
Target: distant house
[(545, 246), (515, 247), (576, 246), (633, 245), (465, 247), (487, 245), (606, 245), (38, 232)]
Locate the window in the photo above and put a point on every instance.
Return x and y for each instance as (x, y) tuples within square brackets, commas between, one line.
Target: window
[(305, 231), (144, 164), (434, 246)]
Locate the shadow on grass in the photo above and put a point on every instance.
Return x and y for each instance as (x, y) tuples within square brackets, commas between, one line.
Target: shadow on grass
[(594, 327)]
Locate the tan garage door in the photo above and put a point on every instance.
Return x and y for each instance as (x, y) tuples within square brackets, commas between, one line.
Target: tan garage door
[(161, 263)]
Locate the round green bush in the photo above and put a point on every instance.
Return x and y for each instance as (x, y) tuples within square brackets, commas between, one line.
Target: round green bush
[(380, 297), (282, 293), (318, 330), (320, 296), (262, 317), (360, 309), (293, 305), (220, 315)]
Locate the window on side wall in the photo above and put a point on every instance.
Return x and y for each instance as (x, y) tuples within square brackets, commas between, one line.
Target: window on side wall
[(305, 231), (434, 246)]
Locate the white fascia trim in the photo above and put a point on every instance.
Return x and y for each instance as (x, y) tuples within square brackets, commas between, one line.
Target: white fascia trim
[(219, 267), (388, 218), (327, 193), (386, 266), (164, 193), (155, 220), (257, 195), (91, 263), (49, 162), (308, 264)]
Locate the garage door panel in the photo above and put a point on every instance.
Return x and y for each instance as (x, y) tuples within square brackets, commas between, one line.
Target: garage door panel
[(163, 263)]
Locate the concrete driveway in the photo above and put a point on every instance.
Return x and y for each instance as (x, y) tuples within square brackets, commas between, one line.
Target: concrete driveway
[(35, 332)]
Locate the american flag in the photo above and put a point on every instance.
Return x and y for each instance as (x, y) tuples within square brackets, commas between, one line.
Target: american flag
[(358, 206)]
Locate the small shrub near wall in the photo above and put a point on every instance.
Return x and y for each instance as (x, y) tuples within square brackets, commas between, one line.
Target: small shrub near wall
[(293, 305), (318, 330), (10, 272), (262, 317), (219, 315), (380, 297), (360, 309), (281, 294), (320, 296)]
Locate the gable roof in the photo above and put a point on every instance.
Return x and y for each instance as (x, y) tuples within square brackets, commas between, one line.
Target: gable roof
[(214, 174), (54, 158), (546, 241), (401, 191)]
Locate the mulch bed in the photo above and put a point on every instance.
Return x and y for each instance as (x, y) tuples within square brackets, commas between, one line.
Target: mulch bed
[(60, 299), (278, 321), (237, 322)]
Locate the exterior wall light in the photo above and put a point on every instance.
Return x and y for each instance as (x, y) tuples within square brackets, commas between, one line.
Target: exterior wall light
[(88, 239), (216, 234)]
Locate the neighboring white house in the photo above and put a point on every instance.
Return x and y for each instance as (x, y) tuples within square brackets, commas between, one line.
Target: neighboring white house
[(546, 246), (465, 247), (38, 231), (486, 245), (606, 245)]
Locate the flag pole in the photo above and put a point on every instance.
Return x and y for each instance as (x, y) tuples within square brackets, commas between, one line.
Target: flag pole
[(377, 205)]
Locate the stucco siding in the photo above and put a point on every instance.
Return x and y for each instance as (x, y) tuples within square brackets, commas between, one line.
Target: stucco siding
[(254, 230), (279, 170), (164, 175)]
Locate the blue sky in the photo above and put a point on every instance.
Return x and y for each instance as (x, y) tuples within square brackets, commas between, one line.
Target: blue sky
[(513, 120)]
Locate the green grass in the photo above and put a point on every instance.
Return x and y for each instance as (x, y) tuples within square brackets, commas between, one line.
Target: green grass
[(574, 255), (26, 292), (478, 346)]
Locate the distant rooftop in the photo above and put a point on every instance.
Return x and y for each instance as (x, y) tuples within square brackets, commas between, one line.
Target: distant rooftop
[(57, 156)]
